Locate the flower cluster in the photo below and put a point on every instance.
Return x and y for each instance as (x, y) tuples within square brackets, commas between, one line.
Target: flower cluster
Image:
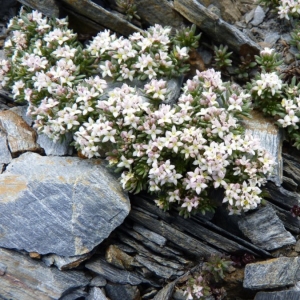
[(178, 152), (143, 55), (205, 283), (195, 288), (288, 8), (285, 8), (43, 55), (276, 98)]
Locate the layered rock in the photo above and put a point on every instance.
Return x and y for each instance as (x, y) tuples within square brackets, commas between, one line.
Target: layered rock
[(58, 205)]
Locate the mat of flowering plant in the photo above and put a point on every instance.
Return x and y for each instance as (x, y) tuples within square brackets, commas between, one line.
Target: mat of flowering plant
[(178, 152)]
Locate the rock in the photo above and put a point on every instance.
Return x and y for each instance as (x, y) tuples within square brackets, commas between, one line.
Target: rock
[(279, 295), (118, 258), (258, 16), (64, 206), (8, 9), (158, 269), (78, 294), (60, 148), (289, 184), (98, 281), (270, 137), (271, 38), (273, 273), (65, 263), (22, 112), (113, 274), (166, 293), (96, 294), (101, 16), (124, 292), (20, 136), (180, 239), (249, 15), (5, 156), (150, 235), (141, 246), (179, 295), (219, 30), (3, 269), (279, 195), (265, 229), (297, 246), (291, 223), (29, 279), (291, 167), (211, 238), (159, 12), (229, 10), (49, 8)]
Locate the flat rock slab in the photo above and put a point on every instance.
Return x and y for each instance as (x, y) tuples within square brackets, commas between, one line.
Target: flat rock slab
[(49, 8), (283, 295), (271, 139), (20, 136), (159, 12), (113, 274), (99, 15), (265, 229), (28, 279), (273, 273), (59, 148), (215, 27), (64, 206), (5, 156)]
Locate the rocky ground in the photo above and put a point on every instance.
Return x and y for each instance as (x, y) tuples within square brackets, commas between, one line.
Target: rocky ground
[(68, 231)]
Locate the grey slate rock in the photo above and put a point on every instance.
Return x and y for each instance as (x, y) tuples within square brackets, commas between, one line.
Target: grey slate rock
[(219, 30), (258, 16), (96, 294), (75, 295), (290, 223), (265, 229), (150, 235), (29, 279), (280, 295), (64, 262), (113, 274), (5, 156), (180, 239), (64, 206), (58, 148), (273, 273), (20, 136), (124, 292), (98, 281), (284, 198), (49, 8), (291, 167), (167, 292), (22, 112), (271, 38), (271, 139), (159, 12), (101, 16), (158, 269)]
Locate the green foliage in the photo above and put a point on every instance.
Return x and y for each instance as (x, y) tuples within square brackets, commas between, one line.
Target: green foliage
[(222, 57), (217, 266), (186, 37), (129, 8)]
